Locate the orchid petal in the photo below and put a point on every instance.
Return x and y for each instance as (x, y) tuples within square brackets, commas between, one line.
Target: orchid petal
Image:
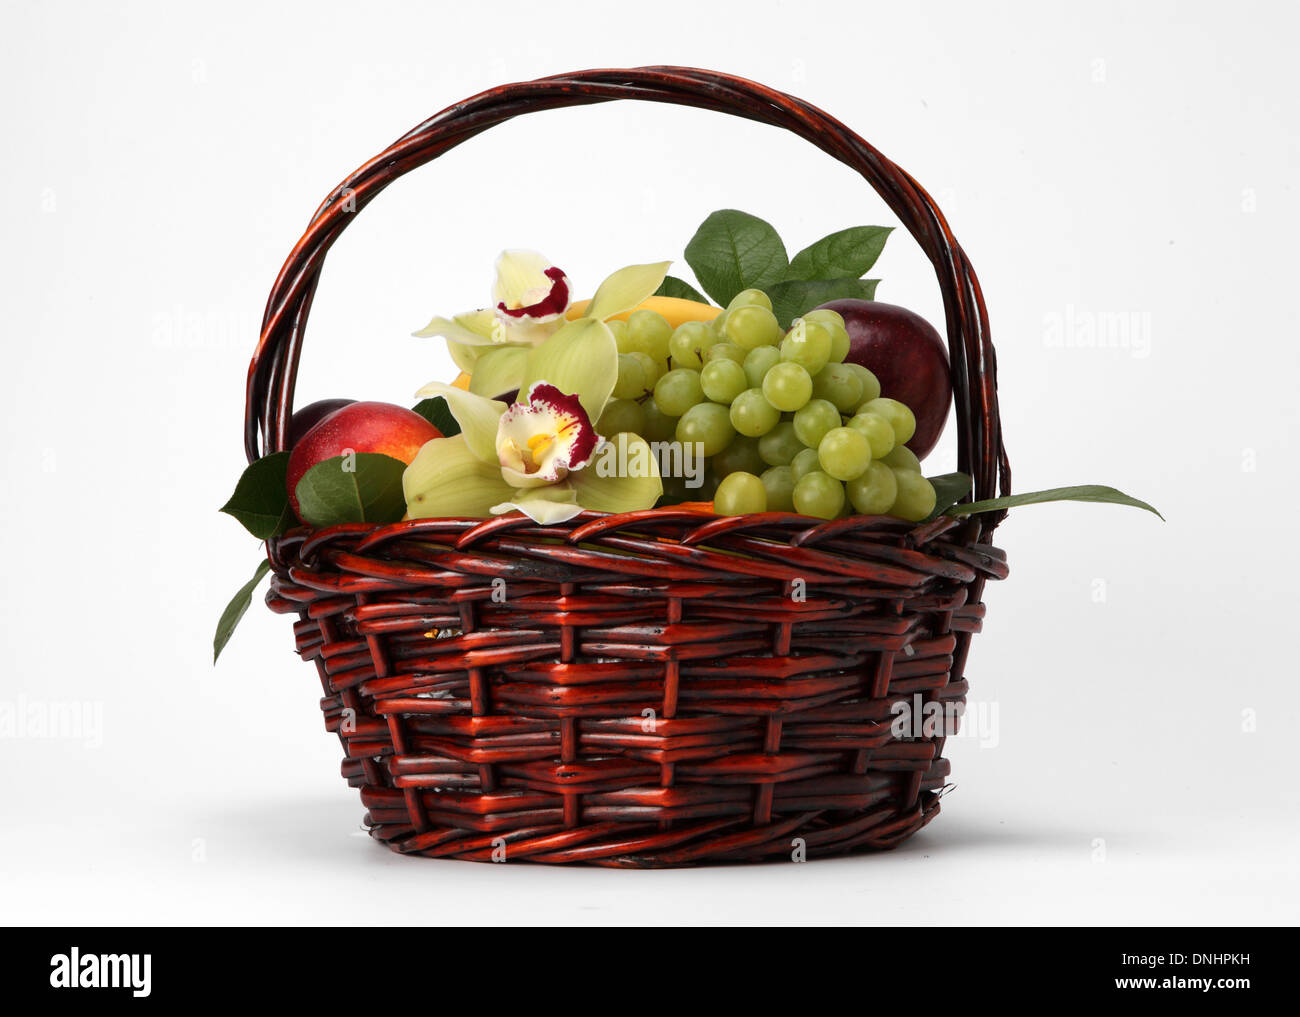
[(528, 331), (553, 504), (446, 328), (483, 322), (518, 272), (626, 288), (622, 476), (543, 437), (498, 372), (446, 479), (478, 417), (465, 357), (582, 358)]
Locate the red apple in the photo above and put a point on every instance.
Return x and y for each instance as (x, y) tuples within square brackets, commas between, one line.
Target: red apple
[(359, 427), (908, 356), (309, 416)]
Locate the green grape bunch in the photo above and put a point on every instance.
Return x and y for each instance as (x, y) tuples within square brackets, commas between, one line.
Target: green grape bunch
[(784, 424)]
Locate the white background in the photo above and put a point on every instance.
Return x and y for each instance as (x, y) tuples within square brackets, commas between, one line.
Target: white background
[(158, 165)]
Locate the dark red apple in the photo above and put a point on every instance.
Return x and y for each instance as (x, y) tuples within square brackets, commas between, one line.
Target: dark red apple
[(309, 416), (908, 356), (360, 427)]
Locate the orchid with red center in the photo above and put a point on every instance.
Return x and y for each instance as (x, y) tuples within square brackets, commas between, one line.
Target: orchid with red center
[(541, 455), (543, 437), (529, 301)]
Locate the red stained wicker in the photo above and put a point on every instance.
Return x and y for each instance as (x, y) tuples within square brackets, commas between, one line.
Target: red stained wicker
[(653, 689)]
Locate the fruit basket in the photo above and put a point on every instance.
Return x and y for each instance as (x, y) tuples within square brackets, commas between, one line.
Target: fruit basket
[(661, 687)]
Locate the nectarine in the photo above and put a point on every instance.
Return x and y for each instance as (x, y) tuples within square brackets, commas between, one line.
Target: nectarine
[(359, 427), (309, 416)]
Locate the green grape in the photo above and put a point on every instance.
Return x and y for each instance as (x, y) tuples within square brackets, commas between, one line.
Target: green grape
[(902, 458), (631, 381), (870, 383), (778, 481), (689, 342), (814, 419), (708, 425), (807, 344), (718, 326), (805, 462), (739, 493), (724, 351), (758, 362), (840, 344), (740, 456), (746, 298), (824, 316), (621, 415), (874, 492), (780, 445), (621, 336), (752, 414), (751, 326), (916, 497), (818, 494), (787, 386), (899, 416), (649, 332), (658, 426), (837, 384), (678, 390), (878, 432), (722, 381), (654, 369), (844, 453)]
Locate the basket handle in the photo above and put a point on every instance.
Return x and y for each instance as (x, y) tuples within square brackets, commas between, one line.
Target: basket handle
[(274, 367)]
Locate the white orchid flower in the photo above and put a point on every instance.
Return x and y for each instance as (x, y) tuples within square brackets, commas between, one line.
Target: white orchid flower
[(530, 298), (534, 455)]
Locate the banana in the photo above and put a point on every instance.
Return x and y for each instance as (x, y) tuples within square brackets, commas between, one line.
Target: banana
[(674, 309)]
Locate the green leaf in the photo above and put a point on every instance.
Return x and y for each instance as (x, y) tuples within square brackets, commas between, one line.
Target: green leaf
[(797, 296), (261, 500), (435, 412), (1085, 492), (949, 489), (235, 610), (626, 288), (364, 487), (734, 251), (679, 288), (847, 254)]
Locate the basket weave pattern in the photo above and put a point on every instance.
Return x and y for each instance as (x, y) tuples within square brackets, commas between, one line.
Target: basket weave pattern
[(657, 688)]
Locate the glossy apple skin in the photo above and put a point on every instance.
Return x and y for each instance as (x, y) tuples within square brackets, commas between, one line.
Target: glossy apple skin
[(309, 416), (908, 356), (361, 427)]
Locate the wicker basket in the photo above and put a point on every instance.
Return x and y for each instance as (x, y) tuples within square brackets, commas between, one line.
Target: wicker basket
[(651, 691)]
